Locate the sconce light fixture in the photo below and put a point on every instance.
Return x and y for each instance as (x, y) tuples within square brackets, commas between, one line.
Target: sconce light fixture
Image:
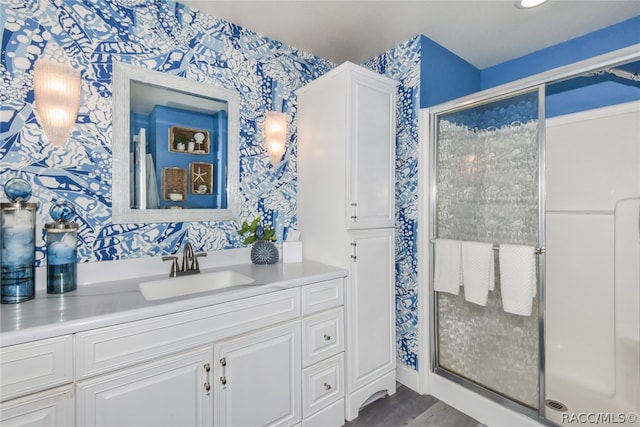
[(57, 96), (275, 132)]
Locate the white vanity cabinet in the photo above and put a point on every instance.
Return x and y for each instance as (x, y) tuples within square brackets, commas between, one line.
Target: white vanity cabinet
[(30, 378), (172, 391), (323, 346), (270, 359), (258, 378), (346, 167), (162, 371), (50, 408)]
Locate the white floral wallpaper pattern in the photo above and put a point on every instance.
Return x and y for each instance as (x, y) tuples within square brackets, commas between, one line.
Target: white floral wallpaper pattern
[(166, 36)]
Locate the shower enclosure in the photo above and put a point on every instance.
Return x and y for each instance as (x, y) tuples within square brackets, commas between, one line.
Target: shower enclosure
[(487, 176), (568, 187)]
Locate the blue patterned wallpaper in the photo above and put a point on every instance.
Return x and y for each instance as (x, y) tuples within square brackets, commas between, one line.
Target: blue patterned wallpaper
[(402, 63), (160, 35), (166, 36)]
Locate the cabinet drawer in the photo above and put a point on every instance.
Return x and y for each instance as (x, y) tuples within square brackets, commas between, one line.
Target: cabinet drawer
[(331, 416), (323, 295), (47, 408), (114, 347), (34, 366), (323, 384), (322, 336)]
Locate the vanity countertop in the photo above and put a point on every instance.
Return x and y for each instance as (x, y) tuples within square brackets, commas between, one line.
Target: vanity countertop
[(111, 302)]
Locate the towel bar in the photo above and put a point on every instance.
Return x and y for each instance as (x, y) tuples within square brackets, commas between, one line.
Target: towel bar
[(538, 250)]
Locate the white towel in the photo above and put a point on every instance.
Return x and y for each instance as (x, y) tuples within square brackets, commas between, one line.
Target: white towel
[(477, 271), (448, 266), (517, 278)]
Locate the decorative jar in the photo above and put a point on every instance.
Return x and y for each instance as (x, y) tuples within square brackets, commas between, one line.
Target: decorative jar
[(17, 243), (61, 249)]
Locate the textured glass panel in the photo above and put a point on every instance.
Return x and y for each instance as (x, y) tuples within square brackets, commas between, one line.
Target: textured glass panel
[(487, 191)]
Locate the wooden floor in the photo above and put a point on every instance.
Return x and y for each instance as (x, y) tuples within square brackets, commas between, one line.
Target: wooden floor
[(408, 408)]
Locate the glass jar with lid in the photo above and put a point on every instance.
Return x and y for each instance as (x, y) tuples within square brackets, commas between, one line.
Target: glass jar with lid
[(61, 249)]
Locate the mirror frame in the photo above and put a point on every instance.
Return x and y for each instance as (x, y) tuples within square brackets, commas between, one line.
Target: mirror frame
[(122, 212)]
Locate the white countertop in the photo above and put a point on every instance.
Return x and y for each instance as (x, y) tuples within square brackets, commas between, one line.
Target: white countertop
[(100, 304)]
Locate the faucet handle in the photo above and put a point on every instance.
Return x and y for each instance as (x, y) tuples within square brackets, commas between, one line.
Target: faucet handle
[(174, 265), (195, 260)]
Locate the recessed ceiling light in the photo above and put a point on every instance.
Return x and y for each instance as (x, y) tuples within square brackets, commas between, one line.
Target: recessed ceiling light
[(528, 4)]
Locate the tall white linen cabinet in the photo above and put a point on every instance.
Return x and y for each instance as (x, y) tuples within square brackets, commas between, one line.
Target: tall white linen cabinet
[(346, 156)]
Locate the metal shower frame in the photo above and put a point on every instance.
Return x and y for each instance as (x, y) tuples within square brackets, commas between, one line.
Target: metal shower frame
[(537, 82)]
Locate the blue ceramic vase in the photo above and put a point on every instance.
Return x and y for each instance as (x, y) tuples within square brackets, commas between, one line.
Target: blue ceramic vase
[(264, 252)]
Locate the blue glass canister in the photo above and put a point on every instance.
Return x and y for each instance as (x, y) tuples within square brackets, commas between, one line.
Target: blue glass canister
[(17, 243), (62, 238)]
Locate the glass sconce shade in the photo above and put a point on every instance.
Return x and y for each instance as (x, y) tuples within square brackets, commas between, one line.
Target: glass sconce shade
[(57, 97), (275, 132)]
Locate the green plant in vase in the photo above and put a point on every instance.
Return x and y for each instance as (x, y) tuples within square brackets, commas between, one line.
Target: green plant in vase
[(261, 237)]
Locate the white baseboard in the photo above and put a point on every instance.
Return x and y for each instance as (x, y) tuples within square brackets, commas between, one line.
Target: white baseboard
[(409, 377)]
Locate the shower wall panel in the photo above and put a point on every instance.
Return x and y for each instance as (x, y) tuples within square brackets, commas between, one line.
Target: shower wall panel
[(593, 260), (487, 190)]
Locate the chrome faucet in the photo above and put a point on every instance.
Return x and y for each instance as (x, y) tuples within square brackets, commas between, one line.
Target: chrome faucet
[(189, 262)]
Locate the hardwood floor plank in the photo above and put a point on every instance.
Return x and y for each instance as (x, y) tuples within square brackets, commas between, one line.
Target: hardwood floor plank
[(442, 415), (408, 408)]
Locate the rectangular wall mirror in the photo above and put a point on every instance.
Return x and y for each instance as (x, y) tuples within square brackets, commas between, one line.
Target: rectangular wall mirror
[(175, 148)]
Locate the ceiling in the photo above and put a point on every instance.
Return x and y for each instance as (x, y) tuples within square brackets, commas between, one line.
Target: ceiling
[(483, 32)]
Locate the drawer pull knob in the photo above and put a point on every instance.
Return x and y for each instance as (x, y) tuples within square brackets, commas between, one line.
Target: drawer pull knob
[(327, 337), (327, 386)]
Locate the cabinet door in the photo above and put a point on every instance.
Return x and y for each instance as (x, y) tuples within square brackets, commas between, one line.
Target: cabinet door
[(49, 408), (258, 379), (173, 391), (371, 154), (370, 298)]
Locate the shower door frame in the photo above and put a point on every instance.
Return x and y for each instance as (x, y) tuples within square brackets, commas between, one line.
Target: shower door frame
[(427, 194), (459, 379)]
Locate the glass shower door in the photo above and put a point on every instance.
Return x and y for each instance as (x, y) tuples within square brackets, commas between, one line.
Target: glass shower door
[(486, 188)]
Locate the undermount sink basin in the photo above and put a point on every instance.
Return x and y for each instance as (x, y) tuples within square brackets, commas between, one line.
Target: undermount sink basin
[(192, 284)]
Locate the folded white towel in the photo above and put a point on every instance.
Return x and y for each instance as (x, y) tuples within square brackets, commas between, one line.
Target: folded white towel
[(517, 278), (448, 268), (477, 271)]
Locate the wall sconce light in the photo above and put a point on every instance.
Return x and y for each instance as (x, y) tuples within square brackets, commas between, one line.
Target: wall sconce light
[(57, 97), (275, 132)]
